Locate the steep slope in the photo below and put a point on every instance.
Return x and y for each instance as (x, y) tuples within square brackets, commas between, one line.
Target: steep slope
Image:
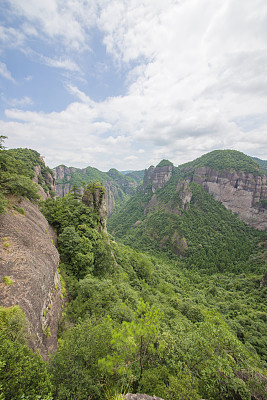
[(35, 169), (235, 180), (174, 213), (262, 163), (29, 260), (29, 272), (150, 325), (118, 186)]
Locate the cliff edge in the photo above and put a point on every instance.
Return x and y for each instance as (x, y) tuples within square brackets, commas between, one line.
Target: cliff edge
[(29, 272)]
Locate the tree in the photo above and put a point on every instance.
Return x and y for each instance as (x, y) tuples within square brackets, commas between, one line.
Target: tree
[(133, 343), (2, 138)]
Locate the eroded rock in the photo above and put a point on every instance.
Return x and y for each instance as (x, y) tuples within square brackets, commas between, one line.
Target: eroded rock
[(30, 259)]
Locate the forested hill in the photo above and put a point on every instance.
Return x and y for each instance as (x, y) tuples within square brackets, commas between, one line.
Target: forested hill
[(262, 163), (119, 186), (184, 319), (226, 160)]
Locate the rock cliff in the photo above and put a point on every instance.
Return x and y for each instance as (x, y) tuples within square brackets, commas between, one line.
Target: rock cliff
[(157, 177), (117, 185), (29, 260), (95, 198), (46, 181), (242, 193)]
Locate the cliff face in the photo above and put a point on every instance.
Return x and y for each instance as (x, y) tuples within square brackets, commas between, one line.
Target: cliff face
[(30, 260), (47, 180), (95, 198), (115, 183), (157, 176), (244, 194)]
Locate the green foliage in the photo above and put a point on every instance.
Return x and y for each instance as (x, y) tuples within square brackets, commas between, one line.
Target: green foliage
[(16, 172), (225, 159), (144, 323), (74, 367), (19, 209), (262, 164), (68, 211), (165, 163), (136, 175), (24, 374), (133, 343), (47, 332), (210, 236), (7, 281)]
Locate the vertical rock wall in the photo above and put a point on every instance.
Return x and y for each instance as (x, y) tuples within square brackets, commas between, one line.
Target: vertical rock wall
[(30, 259)]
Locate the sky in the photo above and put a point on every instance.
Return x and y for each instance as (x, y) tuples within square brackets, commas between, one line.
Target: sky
[(126, 83)]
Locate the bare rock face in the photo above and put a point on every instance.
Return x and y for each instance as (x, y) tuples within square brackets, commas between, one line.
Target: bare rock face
[(112, 192), (139, 396), (157, 176), (30, 260), (95, 198), (244, 194), (61, 171), (184, 193), (48, 179)]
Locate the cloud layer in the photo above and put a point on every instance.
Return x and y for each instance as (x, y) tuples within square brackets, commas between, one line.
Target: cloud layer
[(195, 80)]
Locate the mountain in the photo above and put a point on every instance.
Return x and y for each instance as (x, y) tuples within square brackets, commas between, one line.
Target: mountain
[(183, 210), (118, 186), (185, 319), (235, 180), (29, 261), (262, 163)]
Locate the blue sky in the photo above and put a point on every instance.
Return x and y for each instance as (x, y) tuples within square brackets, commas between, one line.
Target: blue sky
[(125, 83)]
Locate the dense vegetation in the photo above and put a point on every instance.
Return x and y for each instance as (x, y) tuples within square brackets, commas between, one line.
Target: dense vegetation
[(16, 172), (183, 320), (262, 164), (122, 185), (209, 236), (23, 374), (226, 159), (147, 324)]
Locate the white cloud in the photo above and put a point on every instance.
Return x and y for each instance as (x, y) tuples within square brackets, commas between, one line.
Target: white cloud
[(60, 63), (65, 19), (197, 76), (5, 73), (11, 37), (25, 101)]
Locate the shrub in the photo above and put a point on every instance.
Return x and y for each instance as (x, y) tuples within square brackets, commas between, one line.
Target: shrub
[(7, 281)]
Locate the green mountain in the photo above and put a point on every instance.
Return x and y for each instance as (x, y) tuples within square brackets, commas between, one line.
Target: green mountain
[(262, 163), (225, 160), (119, 187), (183, 319)]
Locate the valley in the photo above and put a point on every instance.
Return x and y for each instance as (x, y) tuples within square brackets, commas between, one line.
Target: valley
[(162, 274)]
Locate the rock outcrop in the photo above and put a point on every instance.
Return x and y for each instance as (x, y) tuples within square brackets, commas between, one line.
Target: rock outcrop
[(95, 198), (30, 261), (157, 177), (244, 194), (46, 180), (139, 396), (116, 184)]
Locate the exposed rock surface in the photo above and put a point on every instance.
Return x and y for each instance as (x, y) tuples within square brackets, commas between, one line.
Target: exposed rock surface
[(47, 179), (116, 186), (95, 198), (61, 171), (157, 176), (184, 193), (30, 259), (139, 396), (244, 194)]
